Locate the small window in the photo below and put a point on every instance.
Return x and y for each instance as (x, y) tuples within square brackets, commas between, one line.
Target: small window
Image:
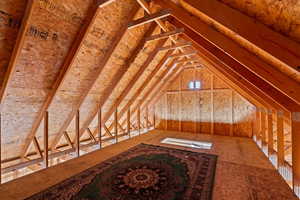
[(194, 85), (197, 85)]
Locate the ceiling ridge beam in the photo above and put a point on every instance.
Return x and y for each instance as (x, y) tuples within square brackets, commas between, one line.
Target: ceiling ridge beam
[(133, 81), (16, 51), (102, 64), (65, 68), (149, 18), (117, 78)]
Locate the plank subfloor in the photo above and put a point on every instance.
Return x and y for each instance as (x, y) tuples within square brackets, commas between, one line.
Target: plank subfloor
[(243, 172)]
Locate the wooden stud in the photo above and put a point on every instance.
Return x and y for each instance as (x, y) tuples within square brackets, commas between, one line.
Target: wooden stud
[(149, 18), (164, 35), (295, 131), (139, 120), (77, 126), (128, 123), (154, 116), (65, 68), (280, 139), (231, 113), (263, 125), (96, 74), (146, 118), (212, 123), (100, 127), (270, 132), (0, 148), (46, 139), (116, 124)]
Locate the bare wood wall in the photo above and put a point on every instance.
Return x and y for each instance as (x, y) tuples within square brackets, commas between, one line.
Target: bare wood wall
[(214, 109)]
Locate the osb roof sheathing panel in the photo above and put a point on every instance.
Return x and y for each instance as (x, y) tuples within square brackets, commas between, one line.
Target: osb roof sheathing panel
[(282, 16), (11, 13), (47, 41)]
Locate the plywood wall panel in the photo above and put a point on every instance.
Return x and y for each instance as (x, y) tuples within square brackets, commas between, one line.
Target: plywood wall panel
[(222, 112), (196, 106), (242, 116)]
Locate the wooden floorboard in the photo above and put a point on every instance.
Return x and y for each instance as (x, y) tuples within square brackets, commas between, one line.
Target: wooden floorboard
[(236, 156)]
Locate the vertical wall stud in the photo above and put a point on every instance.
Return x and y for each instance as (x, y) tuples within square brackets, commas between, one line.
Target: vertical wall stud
[(139, 120), (212, 104), (46, 139), (77, 128), (280, 139), (128, 123), (116, 125), (100, 127)]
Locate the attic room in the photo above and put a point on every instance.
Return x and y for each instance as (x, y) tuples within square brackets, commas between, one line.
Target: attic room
[(150, 99)]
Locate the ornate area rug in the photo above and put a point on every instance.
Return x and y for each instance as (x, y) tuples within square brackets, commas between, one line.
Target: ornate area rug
[(144, 172)]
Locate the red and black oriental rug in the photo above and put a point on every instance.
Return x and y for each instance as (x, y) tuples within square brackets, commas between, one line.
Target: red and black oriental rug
[(145, 172)]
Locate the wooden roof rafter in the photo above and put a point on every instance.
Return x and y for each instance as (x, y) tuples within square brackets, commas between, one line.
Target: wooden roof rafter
[(65, 68), (165, 76), (150, 77), (16, 51), (133, 81), (280, 47), (247, 60), (118, 77), (103, 63)]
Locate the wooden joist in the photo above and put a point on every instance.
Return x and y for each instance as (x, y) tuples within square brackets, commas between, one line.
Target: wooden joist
[(165, 35), (175, 46), (226, 49), (97, 73), (65, 68), (149, 18), (275, 44)]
